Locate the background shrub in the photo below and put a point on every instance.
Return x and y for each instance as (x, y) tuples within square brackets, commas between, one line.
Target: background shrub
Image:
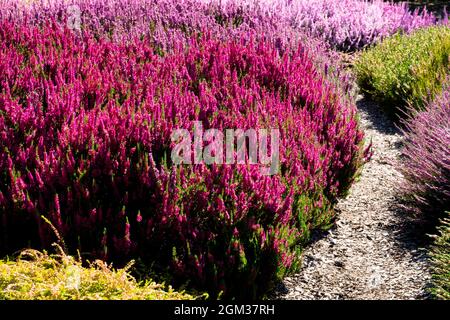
[(426, 158), (85, 137), (353, 24), (164, 22), (167, 23), (406, 70), (346, 24), (438, 7)]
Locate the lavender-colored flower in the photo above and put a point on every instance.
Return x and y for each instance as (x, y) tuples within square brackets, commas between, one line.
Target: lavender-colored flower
[(426, 158), (86, 118)]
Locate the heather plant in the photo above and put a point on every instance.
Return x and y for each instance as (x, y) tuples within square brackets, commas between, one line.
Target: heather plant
[(406, 70), (346, 25), (426, 158), (353, 24), (86, 138), (166, 23), (440, 260)]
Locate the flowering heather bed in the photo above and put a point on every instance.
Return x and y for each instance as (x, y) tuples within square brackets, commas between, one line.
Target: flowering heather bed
[(353, 24), (86, 117), (167, 23), (426, 163), (346, 25), (85, 137)]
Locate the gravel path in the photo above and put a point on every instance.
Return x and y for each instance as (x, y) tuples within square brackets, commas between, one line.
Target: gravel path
[(371, 253)]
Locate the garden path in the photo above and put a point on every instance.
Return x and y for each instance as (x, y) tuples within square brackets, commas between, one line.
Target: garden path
[(372, 251)]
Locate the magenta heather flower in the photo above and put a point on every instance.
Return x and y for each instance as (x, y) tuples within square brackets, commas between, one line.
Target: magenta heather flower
[(86, 124), (346, 24)]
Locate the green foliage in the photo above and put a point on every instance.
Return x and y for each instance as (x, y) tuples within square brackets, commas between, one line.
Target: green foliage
[(440, 256), (405, 70), (39, 276)]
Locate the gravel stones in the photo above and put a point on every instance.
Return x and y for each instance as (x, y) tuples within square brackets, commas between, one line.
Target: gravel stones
[(366, 255)]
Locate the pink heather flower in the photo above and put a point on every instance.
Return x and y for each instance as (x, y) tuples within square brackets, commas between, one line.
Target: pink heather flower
[(139, 217), (101, 116), (57, 212), (426, 161)]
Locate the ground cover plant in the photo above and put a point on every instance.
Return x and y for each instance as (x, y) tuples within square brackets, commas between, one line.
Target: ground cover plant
[(426, 160), (425, 164), (86, 142), (346, 25), (167, 22), (406, 71), (92, 90), (37, 275), (350, 25), (440, 257)]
